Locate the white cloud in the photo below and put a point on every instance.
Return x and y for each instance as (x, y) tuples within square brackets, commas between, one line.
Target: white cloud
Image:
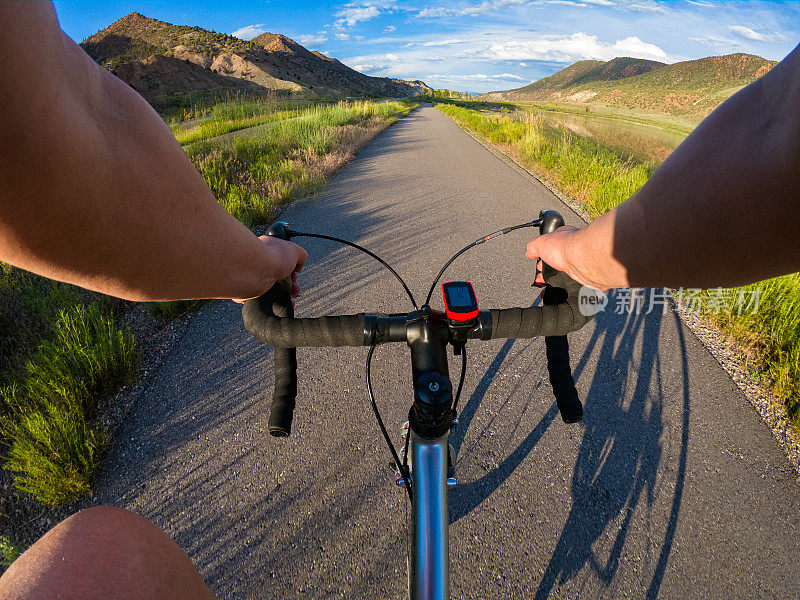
[(432, 13), (574, 47), (647, 7), (504, 49), (458, 79), (705, 3), (353, 15), (483, 7), (311, 39), (389, 28), (717, 41), (249, 32), (747, 33), (342, 36), (353, 12), (451, 42), (582, 2)]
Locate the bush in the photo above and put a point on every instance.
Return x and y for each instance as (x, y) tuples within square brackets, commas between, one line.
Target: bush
[(49, 419)]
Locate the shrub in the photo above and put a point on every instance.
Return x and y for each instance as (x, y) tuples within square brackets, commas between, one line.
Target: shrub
[(49, 418)]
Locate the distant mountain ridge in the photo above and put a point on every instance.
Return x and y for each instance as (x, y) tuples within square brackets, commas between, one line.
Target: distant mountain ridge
[(586, 71), (160, 60), (690, 88)]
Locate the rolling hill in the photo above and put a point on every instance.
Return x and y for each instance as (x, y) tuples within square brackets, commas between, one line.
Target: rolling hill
[(165, 62), (691, 88)]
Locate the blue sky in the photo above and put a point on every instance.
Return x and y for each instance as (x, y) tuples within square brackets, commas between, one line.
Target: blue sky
[(478, 45)]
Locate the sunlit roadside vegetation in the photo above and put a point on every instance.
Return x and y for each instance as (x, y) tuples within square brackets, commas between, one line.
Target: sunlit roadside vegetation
[(289, 157), (63, 351), (597, 177)]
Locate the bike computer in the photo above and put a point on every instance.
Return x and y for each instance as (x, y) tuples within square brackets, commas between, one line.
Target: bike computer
[(460, 301)]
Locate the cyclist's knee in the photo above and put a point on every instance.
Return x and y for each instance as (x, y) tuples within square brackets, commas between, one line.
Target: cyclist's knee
[(92, 553), (104, 525)]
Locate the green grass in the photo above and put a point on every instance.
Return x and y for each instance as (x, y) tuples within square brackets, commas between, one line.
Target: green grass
[(596, 176), (771, 337), (221, 124), (9, 552), (48, 419), (253, 174), (600, 179)]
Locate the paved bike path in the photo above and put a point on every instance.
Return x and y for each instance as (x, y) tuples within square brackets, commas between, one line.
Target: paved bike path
[(670, 488)]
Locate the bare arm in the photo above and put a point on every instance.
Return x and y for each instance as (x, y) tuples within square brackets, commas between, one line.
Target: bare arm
[(94, 189), (722, 210)]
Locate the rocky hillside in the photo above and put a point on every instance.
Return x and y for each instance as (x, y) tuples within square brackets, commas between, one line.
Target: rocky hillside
[(691, 88), (164, 62)]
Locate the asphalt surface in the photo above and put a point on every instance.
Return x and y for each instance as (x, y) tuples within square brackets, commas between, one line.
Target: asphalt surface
[(670, 488)]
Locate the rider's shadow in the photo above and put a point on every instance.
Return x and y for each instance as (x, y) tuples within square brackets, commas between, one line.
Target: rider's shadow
[(465, 497), (619, 456)]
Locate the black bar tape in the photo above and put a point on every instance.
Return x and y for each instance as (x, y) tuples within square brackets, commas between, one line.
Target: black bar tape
[(560, 319), (261, 320), (281, 410), (557, 349)]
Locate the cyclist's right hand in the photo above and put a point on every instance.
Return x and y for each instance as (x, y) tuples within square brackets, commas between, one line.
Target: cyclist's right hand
[(565, 250)]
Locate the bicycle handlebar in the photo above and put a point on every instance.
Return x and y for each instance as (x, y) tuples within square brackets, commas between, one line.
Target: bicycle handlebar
[(262, 320), (270, 319)]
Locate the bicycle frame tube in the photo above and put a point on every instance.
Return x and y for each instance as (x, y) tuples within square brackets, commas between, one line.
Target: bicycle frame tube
[(429, 561)]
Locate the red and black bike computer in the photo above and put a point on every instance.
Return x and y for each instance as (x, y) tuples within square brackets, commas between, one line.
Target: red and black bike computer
[(460, 301)]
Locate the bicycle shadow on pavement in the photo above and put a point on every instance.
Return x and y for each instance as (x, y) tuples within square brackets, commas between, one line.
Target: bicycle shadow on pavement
[(620, 454)]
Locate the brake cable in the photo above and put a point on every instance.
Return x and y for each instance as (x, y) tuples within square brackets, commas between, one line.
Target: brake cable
[(292, 233), (401, 468), (485, 238), (461, 378)]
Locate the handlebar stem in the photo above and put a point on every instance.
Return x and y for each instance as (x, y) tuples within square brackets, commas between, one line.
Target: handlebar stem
[(428, 335)]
